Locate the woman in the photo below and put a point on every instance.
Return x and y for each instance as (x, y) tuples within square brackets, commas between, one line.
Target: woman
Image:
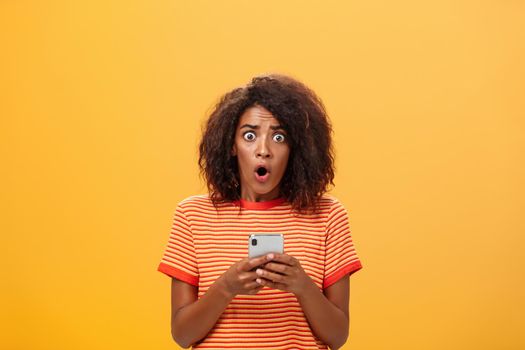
[(266, 154)]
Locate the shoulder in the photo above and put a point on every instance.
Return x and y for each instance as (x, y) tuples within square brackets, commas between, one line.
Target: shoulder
[(333, 209), (324, 208), (202, 203), (330, 202), (200, 199)]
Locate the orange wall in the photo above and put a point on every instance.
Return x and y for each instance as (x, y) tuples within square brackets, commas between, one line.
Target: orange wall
[(101, 107)]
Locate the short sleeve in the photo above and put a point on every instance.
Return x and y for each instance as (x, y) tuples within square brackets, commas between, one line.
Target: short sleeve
[(179, 258), (341, 257)]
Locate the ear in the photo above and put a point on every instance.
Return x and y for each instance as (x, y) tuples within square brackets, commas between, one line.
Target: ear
[(234, 151)]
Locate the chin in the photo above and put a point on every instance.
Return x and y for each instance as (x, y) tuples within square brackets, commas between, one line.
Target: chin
[(262, 190)]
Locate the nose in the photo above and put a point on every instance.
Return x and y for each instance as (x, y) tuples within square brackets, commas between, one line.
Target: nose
[(263, 151)]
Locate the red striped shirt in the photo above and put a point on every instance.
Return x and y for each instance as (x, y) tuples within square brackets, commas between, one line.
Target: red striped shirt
[(205, 241)]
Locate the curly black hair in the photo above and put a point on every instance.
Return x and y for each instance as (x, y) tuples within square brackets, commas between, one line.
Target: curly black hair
[(301, 113)]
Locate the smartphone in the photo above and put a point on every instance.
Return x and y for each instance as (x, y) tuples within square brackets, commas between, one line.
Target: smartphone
[(264, 243)]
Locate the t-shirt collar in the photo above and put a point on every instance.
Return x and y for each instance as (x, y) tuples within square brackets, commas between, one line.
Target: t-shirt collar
[(259, 205)]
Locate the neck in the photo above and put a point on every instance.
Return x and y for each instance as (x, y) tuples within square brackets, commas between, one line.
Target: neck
[(251, 196)]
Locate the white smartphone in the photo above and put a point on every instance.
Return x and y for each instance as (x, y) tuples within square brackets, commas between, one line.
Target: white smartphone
[(264, 243)]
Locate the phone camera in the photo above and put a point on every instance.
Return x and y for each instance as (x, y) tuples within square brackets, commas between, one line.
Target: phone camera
[(254, 241)]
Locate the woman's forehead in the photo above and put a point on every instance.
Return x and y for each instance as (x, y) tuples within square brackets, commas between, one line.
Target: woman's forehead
[(258, 114)]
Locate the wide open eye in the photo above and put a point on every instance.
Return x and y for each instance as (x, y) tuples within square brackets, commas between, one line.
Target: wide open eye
[(249, 136), (279, 138)]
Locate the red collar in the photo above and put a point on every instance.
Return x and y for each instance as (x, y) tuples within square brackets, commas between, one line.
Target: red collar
[(259, 205)]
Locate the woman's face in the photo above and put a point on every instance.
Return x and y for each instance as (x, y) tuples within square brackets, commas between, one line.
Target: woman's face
[(262, 151)]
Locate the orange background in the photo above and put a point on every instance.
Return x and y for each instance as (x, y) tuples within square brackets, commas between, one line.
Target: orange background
[(102, 104)]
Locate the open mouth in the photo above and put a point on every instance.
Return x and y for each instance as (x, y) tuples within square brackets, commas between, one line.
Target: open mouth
[(261, 171), (261, 174)]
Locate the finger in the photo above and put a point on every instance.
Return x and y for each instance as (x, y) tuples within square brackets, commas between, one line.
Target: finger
[(272, 276), (248, 276), (277, 267), (252, 285), (255, 291), (286, 259), (254, 262), (270, 284)]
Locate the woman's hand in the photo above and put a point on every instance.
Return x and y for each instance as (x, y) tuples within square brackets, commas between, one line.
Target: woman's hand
[(240, 279), (284, 272)]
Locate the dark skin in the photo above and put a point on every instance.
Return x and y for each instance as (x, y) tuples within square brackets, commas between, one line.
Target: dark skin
[(260, 140), (326, 311)]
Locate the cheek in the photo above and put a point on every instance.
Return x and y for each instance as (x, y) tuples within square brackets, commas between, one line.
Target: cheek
[(284, 161), (242, 159)]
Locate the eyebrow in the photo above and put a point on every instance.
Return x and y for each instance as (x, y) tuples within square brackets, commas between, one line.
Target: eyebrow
[(250, 126)]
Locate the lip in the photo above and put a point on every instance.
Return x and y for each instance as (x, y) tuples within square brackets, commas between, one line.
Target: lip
[(265, 177), (262, 178)]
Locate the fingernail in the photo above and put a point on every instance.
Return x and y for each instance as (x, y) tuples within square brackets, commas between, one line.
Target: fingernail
[(259, 271), (270, 256), (258, 280)]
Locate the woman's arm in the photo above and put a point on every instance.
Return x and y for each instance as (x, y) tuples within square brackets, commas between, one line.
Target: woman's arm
[(192, 318), (327, 313)]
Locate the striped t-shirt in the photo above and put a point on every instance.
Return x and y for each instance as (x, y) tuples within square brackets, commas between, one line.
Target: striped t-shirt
[(205, 241)]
